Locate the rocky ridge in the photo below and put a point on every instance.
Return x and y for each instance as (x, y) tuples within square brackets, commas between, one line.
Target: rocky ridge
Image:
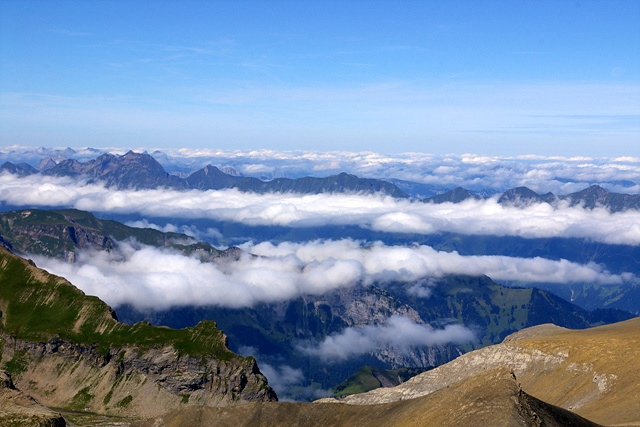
[(68, 350), (522, 197)]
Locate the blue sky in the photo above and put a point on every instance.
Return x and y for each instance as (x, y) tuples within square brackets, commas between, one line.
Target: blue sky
[(486, 77)]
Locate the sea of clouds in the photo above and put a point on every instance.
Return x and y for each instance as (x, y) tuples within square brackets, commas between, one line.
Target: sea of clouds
[(160, 278), (376, 212)]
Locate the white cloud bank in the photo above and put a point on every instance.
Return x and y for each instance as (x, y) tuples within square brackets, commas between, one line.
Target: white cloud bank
[(398, 332), (485, 217), (148, 277)]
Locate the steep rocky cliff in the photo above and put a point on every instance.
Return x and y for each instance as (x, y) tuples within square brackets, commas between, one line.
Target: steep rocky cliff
[(68, 350)]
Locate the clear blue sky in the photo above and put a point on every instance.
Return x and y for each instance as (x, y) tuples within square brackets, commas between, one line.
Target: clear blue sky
[(489, 77)]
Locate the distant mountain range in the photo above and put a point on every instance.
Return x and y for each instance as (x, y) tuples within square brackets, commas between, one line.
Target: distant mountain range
[(591, 197), (142, 171)]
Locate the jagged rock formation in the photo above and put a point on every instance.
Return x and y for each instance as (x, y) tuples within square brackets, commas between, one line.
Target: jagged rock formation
[(69, 351), (132, 170), (20, 169), (19, 409), (590, 372)]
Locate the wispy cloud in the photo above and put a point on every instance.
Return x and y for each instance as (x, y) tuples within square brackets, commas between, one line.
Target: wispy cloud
[(398, 332)]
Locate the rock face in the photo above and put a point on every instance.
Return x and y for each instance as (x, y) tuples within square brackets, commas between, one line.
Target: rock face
[(133, 170), (67, 350), (19, 409)]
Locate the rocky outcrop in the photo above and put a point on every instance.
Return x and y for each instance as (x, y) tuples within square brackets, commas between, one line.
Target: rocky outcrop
[(19, 409), (129, 382)]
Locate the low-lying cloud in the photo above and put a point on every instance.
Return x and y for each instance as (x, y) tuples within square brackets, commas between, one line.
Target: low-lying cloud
[(148, 277), (398, 332), (377, 212)]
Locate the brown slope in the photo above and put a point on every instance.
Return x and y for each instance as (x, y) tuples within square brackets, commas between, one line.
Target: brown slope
[(491, 398), (593, 372)]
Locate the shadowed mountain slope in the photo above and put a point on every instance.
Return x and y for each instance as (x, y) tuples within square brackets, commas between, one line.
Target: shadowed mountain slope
[(61, 233), (456, 195), (20, 169)]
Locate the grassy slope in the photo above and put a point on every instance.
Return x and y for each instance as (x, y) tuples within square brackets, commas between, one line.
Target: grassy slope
[(369, 378), (37, 306)]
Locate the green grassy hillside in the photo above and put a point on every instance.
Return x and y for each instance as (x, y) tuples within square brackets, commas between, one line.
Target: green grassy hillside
[(369, 378)]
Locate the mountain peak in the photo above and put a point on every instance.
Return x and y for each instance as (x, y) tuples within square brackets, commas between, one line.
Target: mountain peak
[(456, 195)]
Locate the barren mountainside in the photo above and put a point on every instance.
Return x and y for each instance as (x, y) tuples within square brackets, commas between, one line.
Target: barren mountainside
[(592, 372)]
